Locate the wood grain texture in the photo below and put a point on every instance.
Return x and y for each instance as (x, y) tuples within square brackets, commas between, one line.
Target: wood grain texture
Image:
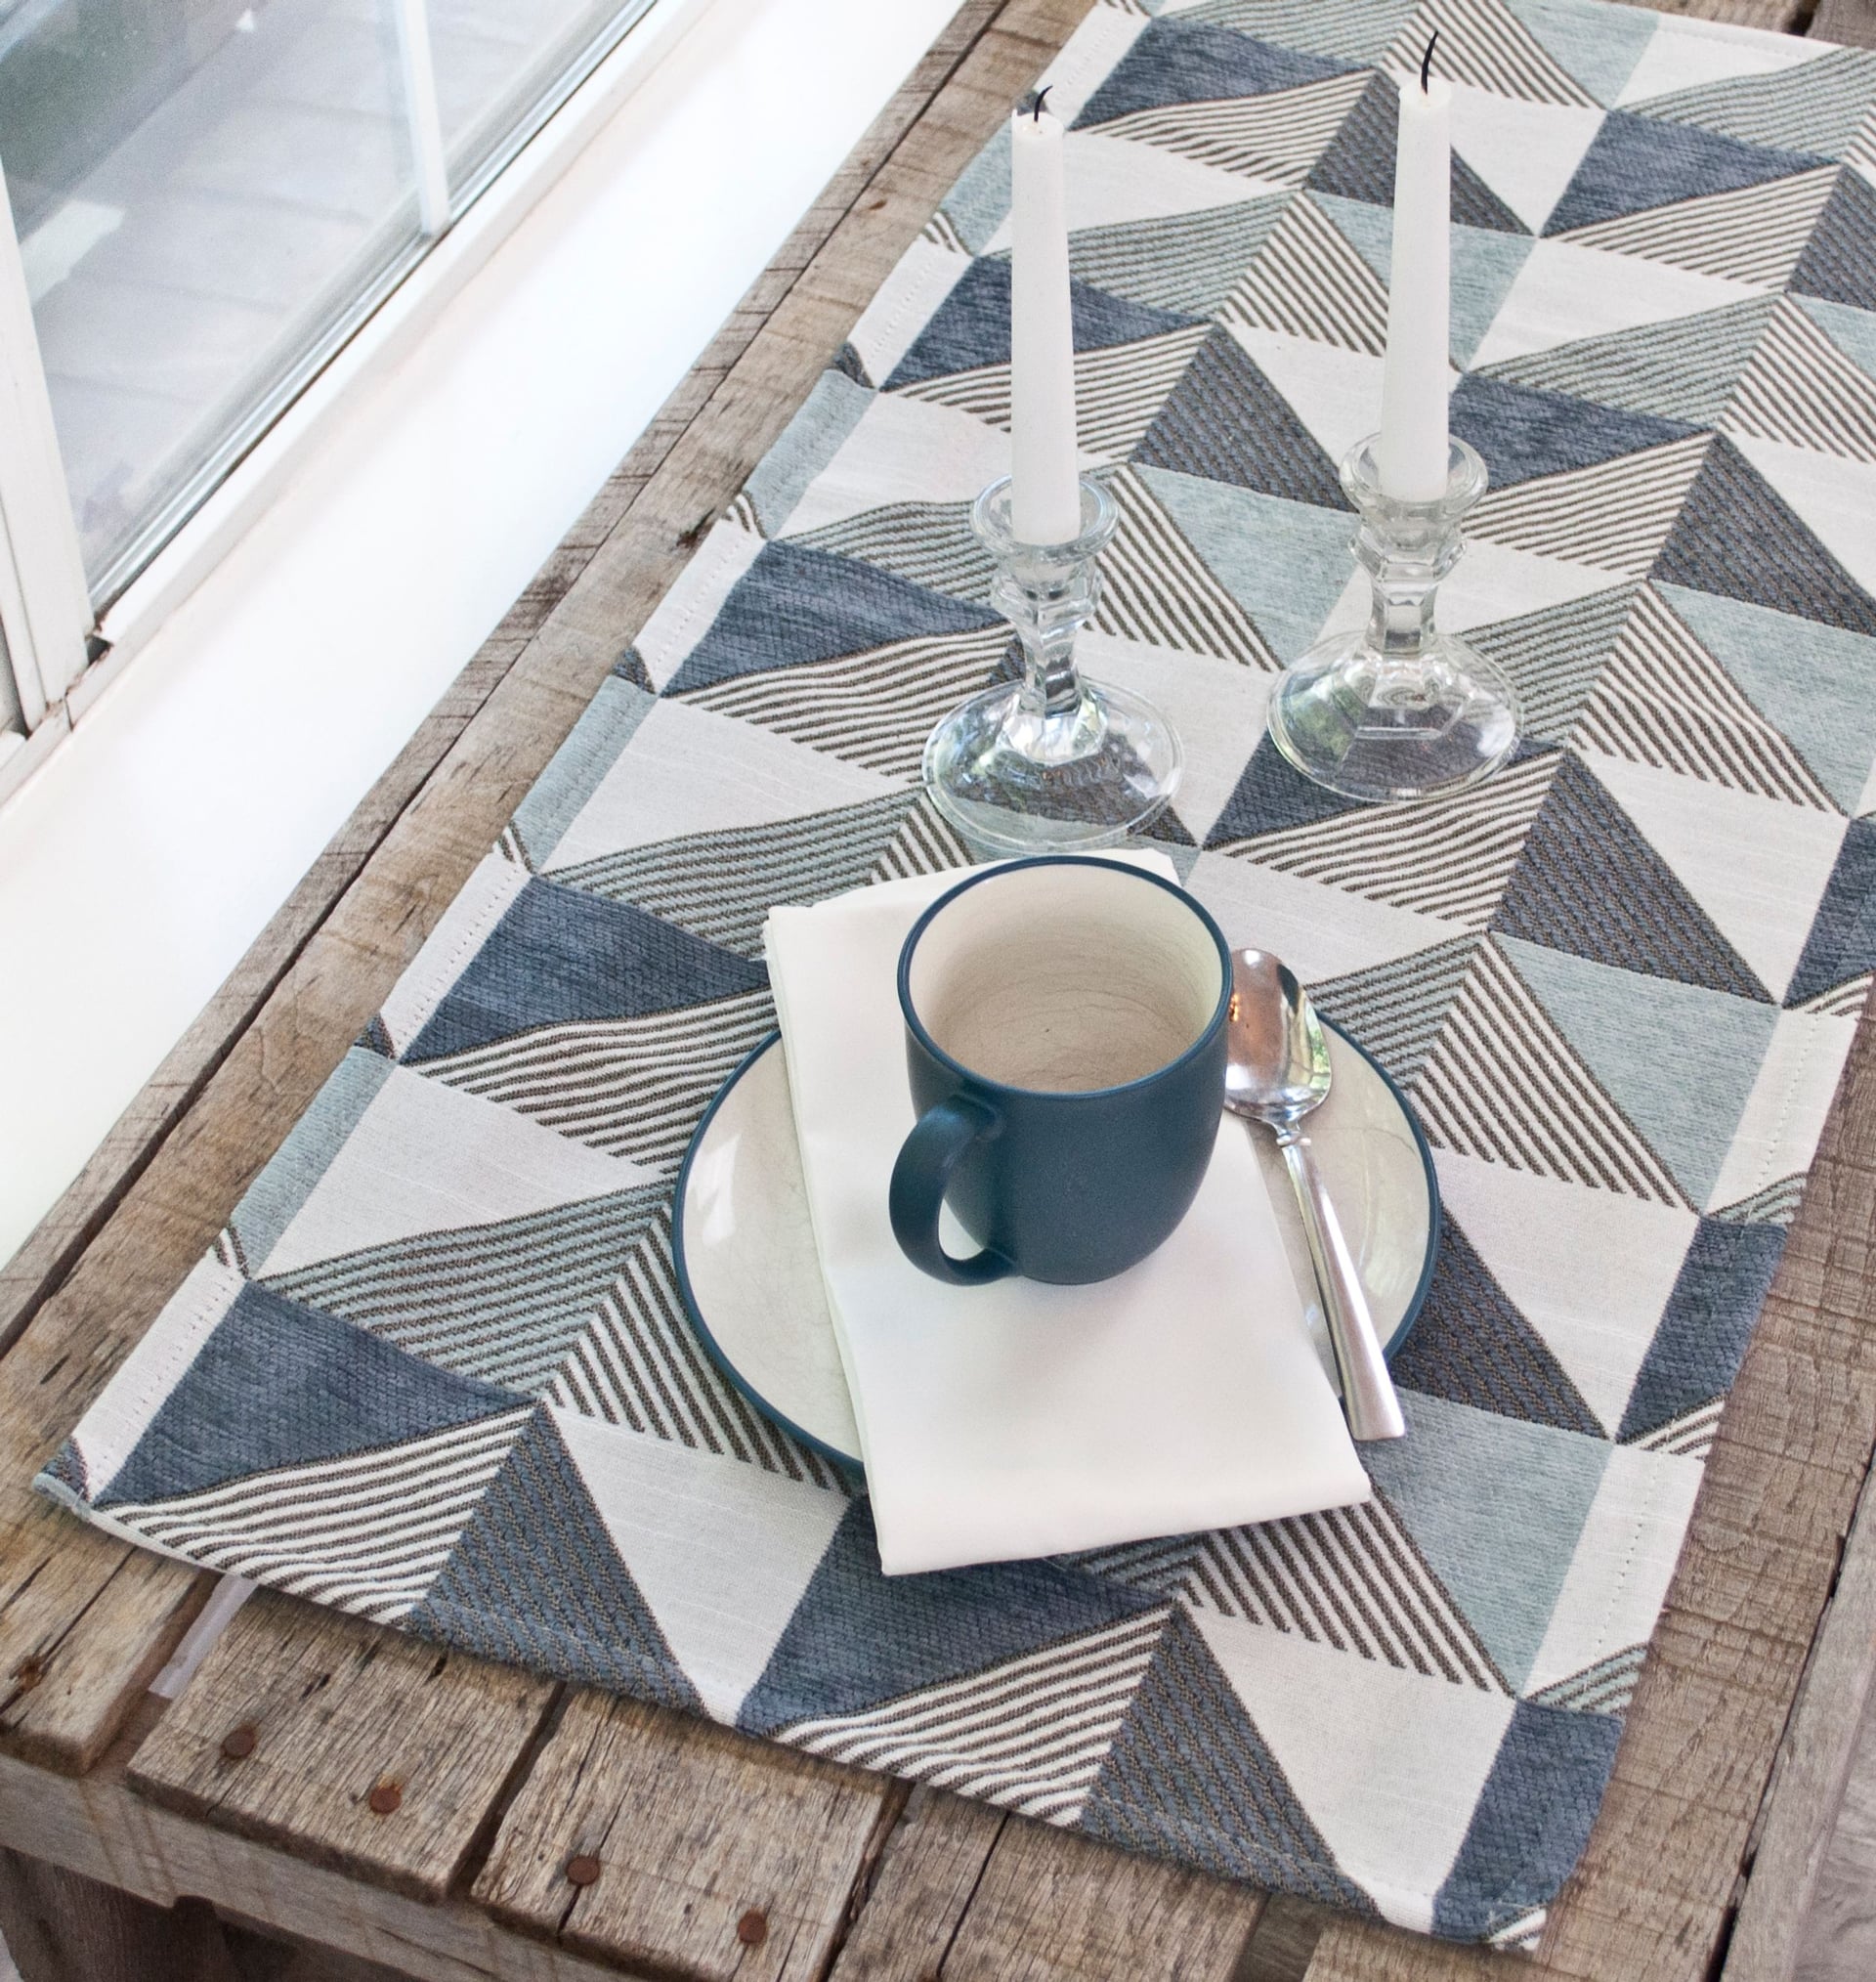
[(59, 1927), (715, 1855), (339, 1708), (1851, 21), (1837, 1938)]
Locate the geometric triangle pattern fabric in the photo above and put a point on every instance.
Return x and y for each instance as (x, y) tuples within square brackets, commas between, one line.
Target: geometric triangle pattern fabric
[(438, 1369)]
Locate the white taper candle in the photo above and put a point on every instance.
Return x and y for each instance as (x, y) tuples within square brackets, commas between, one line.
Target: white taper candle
[(1414, 445), (1046, 495)]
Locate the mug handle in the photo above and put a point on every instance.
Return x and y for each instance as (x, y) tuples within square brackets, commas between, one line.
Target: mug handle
[(919, 1179)]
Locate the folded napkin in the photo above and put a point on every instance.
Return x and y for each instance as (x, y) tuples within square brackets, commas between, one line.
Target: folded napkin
[(1016, 1419)]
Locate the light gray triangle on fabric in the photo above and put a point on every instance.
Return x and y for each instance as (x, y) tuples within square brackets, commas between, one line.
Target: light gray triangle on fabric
[(1599, 45), (1285, 563), (1485, 265), (1678, 1059), (1815, 683), (555, 800), (808, 442), (1368, 229), (1182, 261), (1852, 331), (978, 204), (1496, 1507)]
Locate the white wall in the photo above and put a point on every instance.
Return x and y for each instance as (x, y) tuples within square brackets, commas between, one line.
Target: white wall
[(139, 864)]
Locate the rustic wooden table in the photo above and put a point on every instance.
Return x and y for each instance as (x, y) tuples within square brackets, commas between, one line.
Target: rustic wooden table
[(374, 1807)]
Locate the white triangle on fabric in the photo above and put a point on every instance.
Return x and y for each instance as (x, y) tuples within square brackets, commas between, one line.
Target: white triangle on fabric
[(1111, 181), (1625, 1556), (1527, 153), (1685, 53), (1215, 706), (480, 1163), (1090, 57), (903, 449), (1491, 582), (1565, 293), (1784, 1114), (1334, 392), (1361, 1742), (1591, 1270), (721, 1552), (1757, 866), (1835, 498), (1319, 932)]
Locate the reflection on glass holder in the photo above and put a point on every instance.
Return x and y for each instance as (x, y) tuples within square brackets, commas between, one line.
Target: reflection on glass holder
[(1050, 761), (1398, 709)]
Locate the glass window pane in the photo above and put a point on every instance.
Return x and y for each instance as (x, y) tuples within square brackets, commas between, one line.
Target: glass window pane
[(204, 189), (504, 65)]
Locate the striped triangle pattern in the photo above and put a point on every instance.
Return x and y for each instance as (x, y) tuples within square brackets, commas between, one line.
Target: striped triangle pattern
[(1352, 1577), (1030, 1734), (1355, 30), (722, 886), (1683, 369), (874, 708), (638, 1364), (1555, 655), (927, 843), (1483, 43), (1665, 701), (1274, 138), (1503, 1084), (1451, 858), (631, 1086), (930, 543), (1752, 233), (1801, 389), (1309, 281), (1614, 515), (1816, 105), (1395, 1010), (1188, 262), (1606, 1687), (366, 1533)]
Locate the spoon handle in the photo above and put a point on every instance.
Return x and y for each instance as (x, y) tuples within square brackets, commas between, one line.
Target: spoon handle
[(1367, 1390)]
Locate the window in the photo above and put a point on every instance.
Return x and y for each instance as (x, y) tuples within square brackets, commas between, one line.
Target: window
[(208, 196)]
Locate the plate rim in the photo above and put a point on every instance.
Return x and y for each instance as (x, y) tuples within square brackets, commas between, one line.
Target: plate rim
[(694, 1312)]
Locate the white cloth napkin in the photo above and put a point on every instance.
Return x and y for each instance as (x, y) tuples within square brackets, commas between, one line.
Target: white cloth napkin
[(1016, 1419)]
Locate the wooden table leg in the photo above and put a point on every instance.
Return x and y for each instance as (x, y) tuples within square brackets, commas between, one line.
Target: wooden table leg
[(59, 1927)]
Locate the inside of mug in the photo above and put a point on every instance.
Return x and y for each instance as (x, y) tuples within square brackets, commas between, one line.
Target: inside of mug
[(1066, 978)]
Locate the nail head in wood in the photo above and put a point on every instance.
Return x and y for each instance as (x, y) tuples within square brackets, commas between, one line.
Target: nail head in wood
[(385, 1798), (752, 1929), (583, 1868), (238, 1742)]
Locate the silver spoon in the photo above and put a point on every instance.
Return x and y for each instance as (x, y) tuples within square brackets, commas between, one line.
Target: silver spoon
[(1278, 1071)]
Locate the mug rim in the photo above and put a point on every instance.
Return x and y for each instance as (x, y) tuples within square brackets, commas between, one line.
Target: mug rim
[(985, 1082)]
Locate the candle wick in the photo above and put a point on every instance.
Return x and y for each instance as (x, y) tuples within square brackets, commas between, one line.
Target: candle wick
[(1427, 62), (1041, 96)]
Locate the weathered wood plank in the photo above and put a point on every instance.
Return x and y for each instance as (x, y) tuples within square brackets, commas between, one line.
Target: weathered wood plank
[(1813, 1764), (653, 1839), (925, 1878), (63, 1929), (1851, 21), (336, 1739), (1837, 1940), (1350, 1952), (133, 1606)]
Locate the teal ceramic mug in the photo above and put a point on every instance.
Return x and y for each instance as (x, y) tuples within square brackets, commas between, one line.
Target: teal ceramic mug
[(1065, 1043)]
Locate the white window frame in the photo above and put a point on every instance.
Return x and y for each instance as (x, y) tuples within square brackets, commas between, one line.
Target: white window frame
[(62, 654)]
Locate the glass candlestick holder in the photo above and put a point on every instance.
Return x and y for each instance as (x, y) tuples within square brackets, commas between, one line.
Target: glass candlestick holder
[(1052, 761), (1398, 709)]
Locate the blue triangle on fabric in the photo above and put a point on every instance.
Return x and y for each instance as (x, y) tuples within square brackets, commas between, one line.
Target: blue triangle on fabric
[(1816, 685), (796, 605), (279, 1384), (534, 1580), (1285, 562), (1358, 164), (1842, 943), (1224, 421), (1272, 796), (971, 327), (1678, 1060), (1703, 1331), (1736, 535), (1532, 1821), (560, 955), (1595, 44), (1635, 164), (1477, 1492), (1484, 268), (1191, 62), (1470, 1346), (859, 1637), (1523, 432), (1839, 261), (1588, 881), (1851, 330), (1190, 1779)]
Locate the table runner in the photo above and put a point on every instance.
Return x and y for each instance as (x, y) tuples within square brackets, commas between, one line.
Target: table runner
[(435, 1371)]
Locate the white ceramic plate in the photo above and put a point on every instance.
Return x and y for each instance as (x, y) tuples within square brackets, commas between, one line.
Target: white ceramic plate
[(752, 1281)]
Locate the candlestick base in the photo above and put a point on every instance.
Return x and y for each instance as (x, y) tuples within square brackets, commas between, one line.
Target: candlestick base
[(1052, 761), (1398, 709)]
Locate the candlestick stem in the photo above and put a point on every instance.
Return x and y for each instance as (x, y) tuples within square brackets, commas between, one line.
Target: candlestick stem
[(1051, 760), (1398, 709)]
